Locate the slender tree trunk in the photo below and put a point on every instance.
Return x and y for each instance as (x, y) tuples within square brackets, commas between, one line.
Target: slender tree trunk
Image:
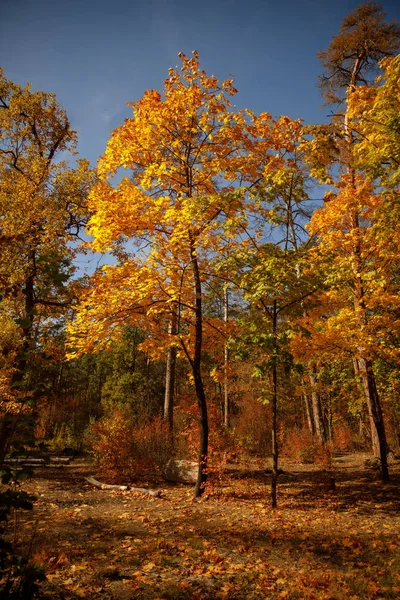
[(365, 368), (309, 415), (375, 412), (198, 381), (203, 450), (226, 366), (316, 406), (170, 377), (274, 431), (372, 429)]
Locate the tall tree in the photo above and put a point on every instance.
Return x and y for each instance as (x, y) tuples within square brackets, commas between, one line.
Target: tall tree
[(273, 276), (42, 208), (194, 163), (177, 148), (351, 60)]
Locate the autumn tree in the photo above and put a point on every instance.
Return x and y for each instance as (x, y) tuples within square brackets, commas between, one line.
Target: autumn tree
[(374, 115), (194, 163), (274, 278), (176, 147), (42, 208), (343, 225)]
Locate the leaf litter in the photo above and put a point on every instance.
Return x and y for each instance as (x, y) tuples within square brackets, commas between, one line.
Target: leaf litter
[(318, 544)]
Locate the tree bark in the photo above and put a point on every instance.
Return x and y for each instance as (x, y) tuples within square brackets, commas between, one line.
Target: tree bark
[(170, 377), (372, 429), (274, 430), (309, 414), (122, 488), (317, 407), (375, 414), (226, 366), (198, 381)]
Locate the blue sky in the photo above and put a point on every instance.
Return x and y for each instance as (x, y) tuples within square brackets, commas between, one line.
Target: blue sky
[(97, 55)]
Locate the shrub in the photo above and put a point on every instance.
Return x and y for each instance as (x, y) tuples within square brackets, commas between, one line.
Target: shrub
[(222, 446), (343, 438), (63, 436), (125, 451), (302, 447), (186, 428), (252, 427)]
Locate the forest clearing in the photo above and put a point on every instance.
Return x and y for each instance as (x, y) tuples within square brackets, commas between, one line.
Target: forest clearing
[(243, 313), (319, 544)]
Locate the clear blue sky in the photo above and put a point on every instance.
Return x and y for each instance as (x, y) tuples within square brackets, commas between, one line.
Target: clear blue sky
[(96, 55)]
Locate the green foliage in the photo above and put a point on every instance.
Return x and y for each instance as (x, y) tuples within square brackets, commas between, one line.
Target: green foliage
[(64, 437)]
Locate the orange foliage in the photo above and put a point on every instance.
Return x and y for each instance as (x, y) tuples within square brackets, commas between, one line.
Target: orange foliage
[(302, 447), (125, 451), (193, 163)]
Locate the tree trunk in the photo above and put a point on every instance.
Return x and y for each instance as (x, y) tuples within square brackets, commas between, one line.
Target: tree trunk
[(170, 377), (309, 415), (203, 450), (226, 365), (375, 412), (365, 369), (198, 381), (372, 429), (317, 407), (274, 431), (107, 486)]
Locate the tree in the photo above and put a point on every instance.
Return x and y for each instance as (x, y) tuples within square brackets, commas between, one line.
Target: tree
[(374, 116), (42, 208), (272, 285), (353, 55), (274, 277), (194, 164), (172, 207), (343, 224)]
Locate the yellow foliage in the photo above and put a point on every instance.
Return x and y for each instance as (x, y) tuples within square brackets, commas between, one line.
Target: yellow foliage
[(194, 163)]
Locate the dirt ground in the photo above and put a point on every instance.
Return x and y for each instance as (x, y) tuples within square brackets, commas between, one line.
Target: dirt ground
[(319, 543)]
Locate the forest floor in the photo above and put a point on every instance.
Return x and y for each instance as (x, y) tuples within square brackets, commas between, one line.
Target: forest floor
[(318, 544)]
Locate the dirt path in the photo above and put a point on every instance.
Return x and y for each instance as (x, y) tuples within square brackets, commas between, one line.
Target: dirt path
[(122, 545)]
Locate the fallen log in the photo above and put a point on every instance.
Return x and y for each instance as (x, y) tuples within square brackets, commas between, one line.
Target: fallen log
[(25, 460), (122, 488), (35, 466), (32, 461)]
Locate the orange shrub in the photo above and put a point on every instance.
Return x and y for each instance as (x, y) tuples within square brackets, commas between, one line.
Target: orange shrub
[(125, 451), (186, 429), (222, 443), (342, 438), (302, 447), (253, 427)]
